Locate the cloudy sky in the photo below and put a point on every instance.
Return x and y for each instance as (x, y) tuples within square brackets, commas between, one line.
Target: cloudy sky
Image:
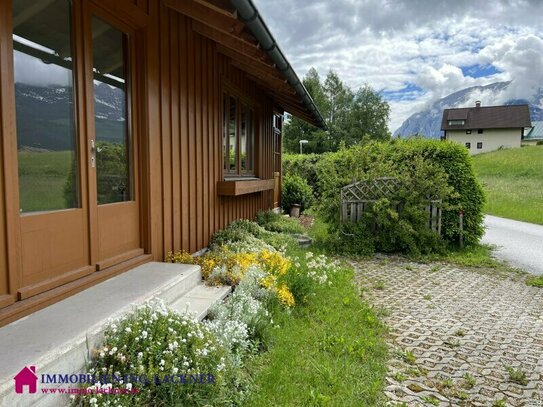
[(414, 51)]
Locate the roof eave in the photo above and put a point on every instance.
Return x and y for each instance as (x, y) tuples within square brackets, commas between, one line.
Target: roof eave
[(248, 13)]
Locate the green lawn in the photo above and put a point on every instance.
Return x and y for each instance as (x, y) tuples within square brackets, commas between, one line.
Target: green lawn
[(42, 177), (513, 180), (329, 352)]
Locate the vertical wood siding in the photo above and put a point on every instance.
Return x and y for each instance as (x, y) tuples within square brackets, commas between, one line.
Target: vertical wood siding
[(191, 80)]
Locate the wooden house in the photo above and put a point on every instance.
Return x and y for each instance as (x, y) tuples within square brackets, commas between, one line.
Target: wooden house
[(129, 129)]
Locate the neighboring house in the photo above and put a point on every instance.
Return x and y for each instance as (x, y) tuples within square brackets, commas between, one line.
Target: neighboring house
[(534, 134), (486, 128), (129, 129)]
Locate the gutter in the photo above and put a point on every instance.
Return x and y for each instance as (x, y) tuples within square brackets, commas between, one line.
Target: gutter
[(248, 13)]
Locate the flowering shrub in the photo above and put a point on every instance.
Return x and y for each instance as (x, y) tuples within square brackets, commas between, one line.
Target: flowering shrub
[(155, 343), (160, 353), (182, 257), (247, 307)]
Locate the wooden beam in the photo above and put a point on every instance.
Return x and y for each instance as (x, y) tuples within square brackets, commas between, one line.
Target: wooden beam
[(247, 60), (263, 77), (207, 14), (296, 109), (230, 41)]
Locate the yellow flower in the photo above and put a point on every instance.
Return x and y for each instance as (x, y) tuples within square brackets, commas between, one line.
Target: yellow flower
[(285, 296), (182, 257)]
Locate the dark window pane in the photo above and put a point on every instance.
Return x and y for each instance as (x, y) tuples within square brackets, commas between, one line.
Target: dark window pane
[(44, 97), (251, 143), (225, 133), (243, 138), (232, 124), (113, 166)]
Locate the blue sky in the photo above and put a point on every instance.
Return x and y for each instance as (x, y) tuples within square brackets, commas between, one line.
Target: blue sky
[(414, 51)]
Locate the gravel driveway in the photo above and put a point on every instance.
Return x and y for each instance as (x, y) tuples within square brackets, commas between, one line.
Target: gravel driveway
[(518, 243), (460, 337)]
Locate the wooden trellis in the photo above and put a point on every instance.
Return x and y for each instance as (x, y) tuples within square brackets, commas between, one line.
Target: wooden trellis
[(358, 197)]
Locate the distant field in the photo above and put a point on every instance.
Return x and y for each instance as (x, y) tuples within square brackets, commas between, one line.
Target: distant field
[(513, 180), (42, 176)]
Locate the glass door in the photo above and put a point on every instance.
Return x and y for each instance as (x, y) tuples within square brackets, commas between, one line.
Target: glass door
[(51, 171), (112, 146)]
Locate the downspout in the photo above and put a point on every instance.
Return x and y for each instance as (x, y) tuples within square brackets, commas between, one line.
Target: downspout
[(248, 13)]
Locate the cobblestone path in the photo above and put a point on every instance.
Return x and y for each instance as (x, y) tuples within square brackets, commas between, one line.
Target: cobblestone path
[(458, 336)]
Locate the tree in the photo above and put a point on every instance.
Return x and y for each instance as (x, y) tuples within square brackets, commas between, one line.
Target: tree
[(370, 114), (350, 117)]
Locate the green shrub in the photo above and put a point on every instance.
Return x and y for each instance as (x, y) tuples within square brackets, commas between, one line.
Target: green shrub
[(539, 143), (305, 166), (425, 168), (275, 222), (241, 230), (296, 190)]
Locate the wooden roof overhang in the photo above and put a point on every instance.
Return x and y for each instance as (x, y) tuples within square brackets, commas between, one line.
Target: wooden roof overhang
[(218, 20)]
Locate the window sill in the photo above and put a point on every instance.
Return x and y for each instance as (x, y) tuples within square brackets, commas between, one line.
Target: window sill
[(237, 186)]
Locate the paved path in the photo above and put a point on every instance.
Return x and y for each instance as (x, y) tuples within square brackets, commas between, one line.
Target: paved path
[(454, 332), (518, 243)]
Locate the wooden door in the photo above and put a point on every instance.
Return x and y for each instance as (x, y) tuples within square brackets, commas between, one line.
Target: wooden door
[(51, 157), (112, 139), (277, 128), (76, 142)]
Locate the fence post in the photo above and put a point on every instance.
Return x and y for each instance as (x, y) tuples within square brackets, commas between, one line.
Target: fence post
[(461, 216)]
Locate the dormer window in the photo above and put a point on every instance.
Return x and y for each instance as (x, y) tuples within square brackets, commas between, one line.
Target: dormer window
[(456, 122)]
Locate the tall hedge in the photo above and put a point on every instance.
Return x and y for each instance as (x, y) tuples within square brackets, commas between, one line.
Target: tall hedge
[(375, 159), (305, 166)]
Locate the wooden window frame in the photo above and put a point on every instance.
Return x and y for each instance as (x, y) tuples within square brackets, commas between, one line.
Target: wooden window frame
[(241, 101)]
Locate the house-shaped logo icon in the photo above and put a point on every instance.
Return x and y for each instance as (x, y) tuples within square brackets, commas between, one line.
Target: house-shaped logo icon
[(26, 377)]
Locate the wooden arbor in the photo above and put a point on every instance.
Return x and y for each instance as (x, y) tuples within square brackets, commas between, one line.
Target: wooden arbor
[(358, 197)]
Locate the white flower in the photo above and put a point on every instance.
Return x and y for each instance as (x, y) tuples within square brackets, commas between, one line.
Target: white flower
[(175, 370), (128, 329), (93, 400), (140, 355), (162, 362), (129, 386), (144, 334)]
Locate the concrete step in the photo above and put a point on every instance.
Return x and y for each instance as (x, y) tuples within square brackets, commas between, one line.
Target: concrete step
[(200, 299), (56, 339)]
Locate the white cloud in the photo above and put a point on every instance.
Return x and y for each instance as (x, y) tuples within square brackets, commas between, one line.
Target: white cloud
[(390, 44)]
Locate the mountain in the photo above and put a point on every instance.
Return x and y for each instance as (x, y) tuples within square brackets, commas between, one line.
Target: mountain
[(43, 112), (428, 122)]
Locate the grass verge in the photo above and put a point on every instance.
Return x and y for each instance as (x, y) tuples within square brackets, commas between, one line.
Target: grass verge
[(512, 179), (331, 351)]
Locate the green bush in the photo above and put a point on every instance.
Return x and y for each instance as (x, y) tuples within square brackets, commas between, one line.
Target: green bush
[(240, 230), (276, 222), (296, 190), (539, 143), (305, 166), (425, 167)]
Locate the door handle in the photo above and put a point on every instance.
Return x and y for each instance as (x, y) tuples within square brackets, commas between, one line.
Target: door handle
[(93, 154)]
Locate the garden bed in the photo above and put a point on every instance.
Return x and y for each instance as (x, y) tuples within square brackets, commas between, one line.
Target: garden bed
[(282, 335)]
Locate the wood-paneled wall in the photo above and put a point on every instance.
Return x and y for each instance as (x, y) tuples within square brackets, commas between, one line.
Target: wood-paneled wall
[(180, 85), (192, 75)]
